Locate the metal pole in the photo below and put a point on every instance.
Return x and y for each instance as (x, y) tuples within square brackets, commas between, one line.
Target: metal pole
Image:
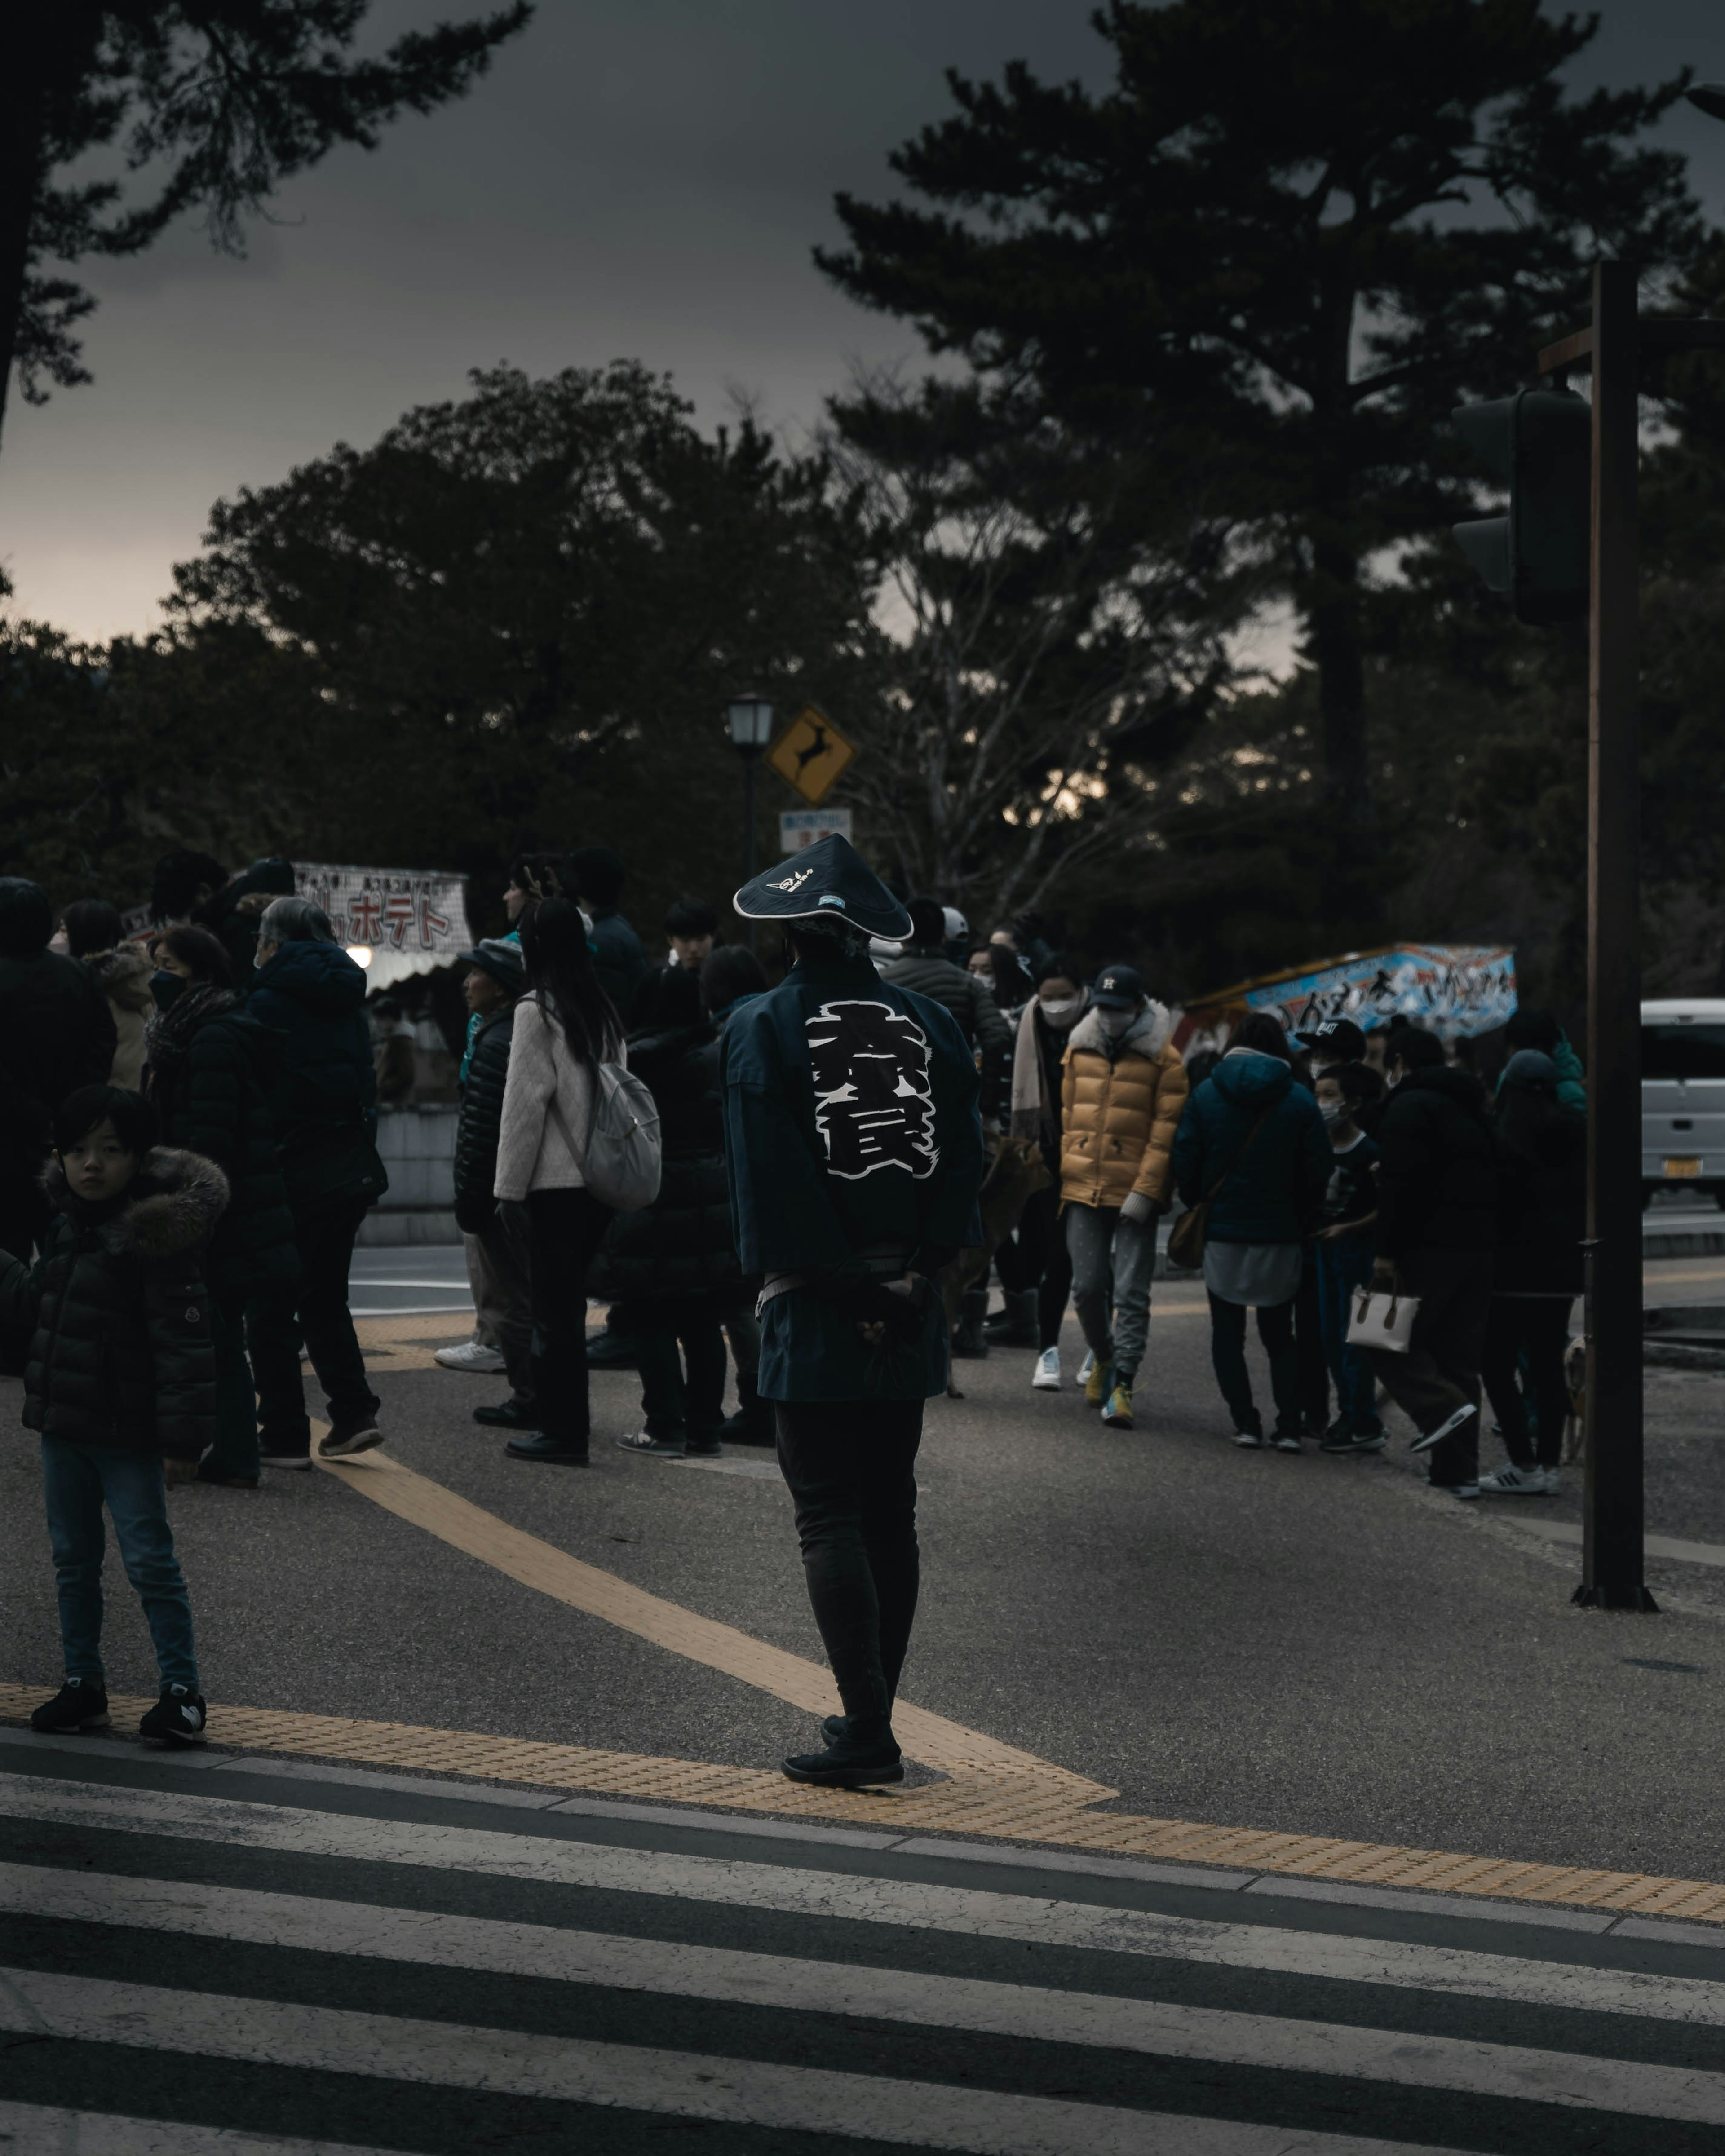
[(1611, 1551), (750, 758)]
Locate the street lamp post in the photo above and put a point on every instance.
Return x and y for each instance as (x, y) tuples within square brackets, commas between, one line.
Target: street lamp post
[(751, 719)]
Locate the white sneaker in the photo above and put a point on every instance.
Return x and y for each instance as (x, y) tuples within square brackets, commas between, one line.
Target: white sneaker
[(1423, 1440), (1085, 1367), (471, 1355), (1047, 1378), (1513, 1481)]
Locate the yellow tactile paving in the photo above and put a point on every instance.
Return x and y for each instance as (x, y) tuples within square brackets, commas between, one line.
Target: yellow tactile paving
[(973, 1802), (988, 1788)]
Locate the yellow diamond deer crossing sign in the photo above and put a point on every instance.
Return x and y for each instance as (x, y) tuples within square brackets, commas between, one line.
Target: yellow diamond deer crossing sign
[(811, 755)]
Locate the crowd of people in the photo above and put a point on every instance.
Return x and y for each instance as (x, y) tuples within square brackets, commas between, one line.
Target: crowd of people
[(187, 1152)]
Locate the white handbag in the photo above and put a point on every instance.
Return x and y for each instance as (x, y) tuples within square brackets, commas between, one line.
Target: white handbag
[(1383, 1318)]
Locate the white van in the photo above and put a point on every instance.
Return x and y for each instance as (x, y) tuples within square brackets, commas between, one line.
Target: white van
[(1683, 1097)]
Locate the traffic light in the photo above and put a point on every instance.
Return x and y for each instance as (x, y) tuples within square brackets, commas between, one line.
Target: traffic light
[(1539, 444)]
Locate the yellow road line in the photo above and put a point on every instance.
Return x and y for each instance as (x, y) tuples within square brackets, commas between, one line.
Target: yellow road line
[(549, 1570), (1001, 1807)]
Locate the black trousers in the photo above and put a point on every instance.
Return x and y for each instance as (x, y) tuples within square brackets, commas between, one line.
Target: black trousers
[(671, 1402), (1535, 1326), (1040, 1258), (1275, 1329), (1309, 1345), (851, 1467), (564, 1229), (1440, 1371), (316, 1311), (25, 1216)]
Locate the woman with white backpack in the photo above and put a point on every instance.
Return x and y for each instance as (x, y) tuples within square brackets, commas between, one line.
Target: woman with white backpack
[(578, 1140)]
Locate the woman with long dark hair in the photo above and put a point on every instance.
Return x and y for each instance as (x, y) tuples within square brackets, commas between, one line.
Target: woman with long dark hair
[(1536, 1273), (564, 1027)]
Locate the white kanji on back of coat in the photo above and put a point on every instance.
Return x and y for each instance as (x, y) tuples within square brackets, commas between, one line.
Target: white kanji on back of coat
[(873, 1105)]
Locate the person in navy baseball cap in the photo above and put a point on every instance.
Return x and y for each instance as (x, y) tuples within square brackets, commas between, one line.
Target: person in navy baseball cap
[(1118, 988), (829, 883), (1333, 1040)]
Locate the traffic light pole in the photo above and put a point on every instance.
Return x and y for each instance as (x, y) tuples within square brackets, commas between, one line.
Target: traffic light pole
[(1612, 1576)]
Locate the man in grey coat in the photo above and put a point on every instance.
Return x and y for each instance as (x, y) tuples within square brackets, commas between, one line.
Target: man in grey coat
[(926, 971)]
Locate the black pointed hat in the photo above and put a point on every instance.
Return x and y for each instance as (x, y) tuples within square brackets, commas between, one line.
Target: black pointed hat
[(828, 880)]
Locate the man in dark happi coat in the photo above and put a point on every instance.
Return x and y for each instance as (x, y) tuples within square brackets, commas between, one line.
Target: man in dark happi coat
[(856, 1153)]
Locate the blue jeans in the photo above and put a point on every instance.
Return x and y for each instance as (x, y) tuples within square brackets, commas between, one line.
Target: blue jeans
[(76, 1479), (1343, 1268)]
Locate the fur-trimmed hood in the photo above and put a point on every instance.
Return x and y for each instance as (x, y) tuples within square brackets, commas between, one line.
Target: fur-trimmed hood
[(1147, 1036), (172, 1206), (124, 974)]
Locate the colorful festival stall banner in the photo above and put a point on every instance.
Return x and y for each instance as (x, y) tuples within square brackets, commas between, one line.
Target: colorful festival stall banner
[(409, 921), (1451, 989)]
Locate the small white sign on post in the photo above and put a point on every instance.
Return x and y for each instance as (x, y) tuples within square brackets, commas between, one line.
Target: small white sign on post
[(798, 828)]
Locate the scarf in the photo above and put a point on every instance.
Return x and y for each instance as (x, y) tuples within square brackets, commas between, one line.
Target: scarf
[(1031, 1108), (168, 1033)]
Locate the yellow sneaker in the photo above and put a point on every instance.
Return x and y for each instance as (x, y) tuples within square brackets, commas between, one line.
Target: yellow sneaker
[(1096, 1385), (1118, 1413)]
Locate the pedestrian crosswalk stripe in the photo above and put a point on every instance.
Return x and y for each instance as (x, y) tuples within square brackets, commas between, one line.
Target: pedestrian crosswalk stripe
[(28, 2128), (791, 1891), (636, 2077), (791, 1983), (1013, 1808)]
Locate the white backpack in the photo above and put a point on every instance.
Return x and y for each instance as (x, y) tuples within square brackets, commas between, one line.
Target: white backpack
[(621, 1166)]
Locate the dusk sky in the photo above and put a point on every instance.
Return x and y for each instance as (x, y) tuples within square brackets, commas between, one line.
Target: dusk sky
[(642, 180)]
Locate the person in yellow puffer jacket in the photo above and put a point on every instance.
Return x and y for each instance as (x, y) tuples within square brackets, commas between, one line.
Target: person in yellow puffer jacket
[(1123, 1090)]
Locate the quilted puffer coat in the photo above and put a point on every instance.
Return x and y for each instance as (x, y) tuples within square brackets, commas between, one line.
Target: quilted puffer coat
[(682, 1242), (481, 1120), (1121, 1105), (122, 1352), (214, 1100)]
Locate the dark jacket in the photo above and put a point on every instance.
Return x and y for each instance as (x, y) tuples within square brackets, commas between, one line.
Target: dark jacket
[(682, 1242), (850, 1122), (1542, 1212), (970, 1000), (121, 1354), (1437, 1181), (56, 1033), (618, 958), (1273, 1195), (215, 1101), (481, 1119), (312, 995)]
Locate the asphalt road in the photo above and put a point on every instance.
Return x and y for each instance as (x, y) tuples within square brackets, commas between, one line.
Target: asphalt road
[(1303, 1643)]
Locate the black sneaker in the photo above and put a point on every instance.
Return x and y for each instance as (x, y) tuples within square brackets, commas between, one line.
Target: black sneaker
[(343, 1439), (744, 1428), (80, 1703), (846, 1765), (555, 1451), (507, 1415), (177, 1718), (702, 1444), (222, 1481), (1353, 1442)]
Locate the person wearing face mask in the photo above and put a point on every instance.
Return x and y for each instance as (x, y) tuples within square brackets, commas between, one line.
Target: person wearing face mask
[(211, 1068), (1437, 1227), (1343, 1252), (1036, 1266), (1123, 1090)]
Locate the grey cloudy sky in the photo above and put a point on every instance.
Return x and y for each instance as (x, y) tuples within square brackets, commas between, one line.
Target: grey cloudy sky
[(639, 178)]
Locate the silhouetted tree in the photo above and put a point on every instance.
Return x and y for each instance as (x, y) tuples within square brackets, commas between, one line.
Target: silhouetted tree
[(1307, 227), (212, 104)]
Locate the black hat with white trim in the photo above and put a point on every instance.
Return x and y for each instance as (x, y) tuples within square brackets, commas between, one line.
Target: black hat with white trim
[(828, 880), (1339, 1038)]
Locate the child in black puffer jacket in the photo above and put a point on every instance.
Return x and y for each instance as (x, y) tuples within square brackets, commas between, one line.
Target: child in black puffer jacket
[(121, 1385)]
